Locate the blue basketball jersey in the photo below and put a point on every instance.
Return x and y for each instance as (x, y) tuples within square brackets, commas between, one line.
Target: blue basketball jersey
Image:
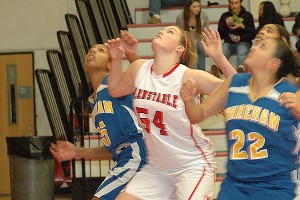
[(114, 119), (262, 135)]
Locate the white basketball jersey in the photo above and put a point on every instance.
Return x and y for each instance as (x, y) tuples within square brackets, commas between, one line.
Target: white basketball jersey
[(172, 141)]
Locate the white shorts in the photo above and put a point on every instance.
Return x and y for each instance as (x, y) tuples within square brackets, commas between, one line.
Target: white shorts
[(186, 184)]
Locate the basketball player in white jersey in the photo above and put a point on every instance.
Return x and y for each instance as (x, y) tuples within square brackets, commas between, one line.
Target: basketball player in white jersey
[(181, 163)]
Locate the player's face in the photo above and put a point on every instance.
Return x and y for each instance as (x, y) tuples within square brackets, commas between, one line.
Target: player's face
[(235, 6), (167, 39), (266, 32), (195, 8), (264, 52), (97, 57)]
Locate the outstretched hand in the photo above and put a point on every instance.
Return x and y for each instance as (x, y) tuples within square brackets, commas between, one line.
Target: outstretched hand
[(212, 43), (115, 48), (129, 42), (63, 150), (188, 91)]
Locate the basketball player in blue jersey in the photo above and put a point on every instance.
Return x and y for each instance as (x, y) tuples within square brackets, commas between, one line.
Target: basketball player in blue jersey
[(262, 114), (117, 125)]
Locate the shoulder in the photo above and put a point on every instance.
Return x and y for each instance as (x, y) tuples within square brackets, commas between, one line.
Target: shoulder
[(206, 82), (180, 15), (134, 67), (142, 63), (290, 87), (241, 79), (247, 14), (226, 14), (137, 64), (179, 19), (204, 14)]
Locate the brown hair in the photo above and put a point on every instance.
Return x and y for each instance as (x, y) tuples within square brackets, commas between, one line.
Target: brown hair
[(186, 18)]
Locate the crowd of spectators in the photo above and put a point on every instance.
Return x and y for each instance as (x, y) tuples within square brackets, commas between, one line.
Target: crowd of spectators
[(236, 26)]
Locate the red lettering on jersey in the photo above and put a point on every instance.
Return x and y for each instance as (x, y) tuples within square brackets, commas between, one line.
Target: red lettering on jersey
[(144, 94), (154, 96), (175, 97), (158, 98), (138, 93), (167, 99), (164, 99)]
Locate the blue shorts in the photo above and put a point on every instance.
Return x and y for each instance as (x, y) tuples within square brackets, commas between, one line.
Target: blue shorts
[(129, 161), (257, 190)]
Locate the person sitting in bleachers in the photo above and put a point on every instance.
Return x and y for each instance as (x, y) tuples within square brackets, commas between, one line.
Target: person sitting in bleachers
[(296, 31), (155, 5), (193, 20), (236, 28), (268, 15)]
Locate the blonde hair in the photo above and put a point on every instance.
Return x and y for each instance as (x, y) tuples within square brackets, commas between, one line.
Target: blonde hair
[(189, 56)]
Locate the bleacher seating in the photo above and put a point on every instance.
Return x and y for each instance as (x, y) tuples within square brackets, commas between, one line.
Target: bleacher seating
[(146, 32)]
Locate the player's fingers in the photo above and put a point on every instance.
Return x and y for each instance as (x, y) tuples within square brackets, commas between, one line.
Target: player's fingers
[(54, 153), (53, 146), (117, 40), (212, 34), (205, 35)]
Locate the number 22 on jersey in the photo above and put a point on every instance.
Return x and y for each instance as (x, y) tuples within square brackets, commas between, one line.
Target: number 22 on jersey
[(255, 149)]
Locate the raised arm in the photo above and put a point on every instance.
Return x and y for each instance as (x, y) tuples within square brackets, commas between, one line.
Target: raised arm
[(130, 44), (120, 83), (198, 112), (212, 45)]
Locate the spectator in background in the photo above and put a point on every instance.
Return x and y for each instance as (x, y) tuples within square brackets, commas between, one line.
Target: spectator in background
[(237, 29), (266, 32), (155, 5), (296, 31), (268, 15), (193, 20)]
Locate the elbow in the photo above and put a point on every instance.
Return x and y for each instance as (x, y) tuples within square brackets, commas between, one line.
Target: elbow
[(194, 121), (194, 114)]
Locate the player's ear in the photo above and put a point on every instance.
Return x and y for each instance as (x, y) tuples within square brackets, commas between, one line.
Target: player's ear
[(180, 48), (275, 62), (108, 67)]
